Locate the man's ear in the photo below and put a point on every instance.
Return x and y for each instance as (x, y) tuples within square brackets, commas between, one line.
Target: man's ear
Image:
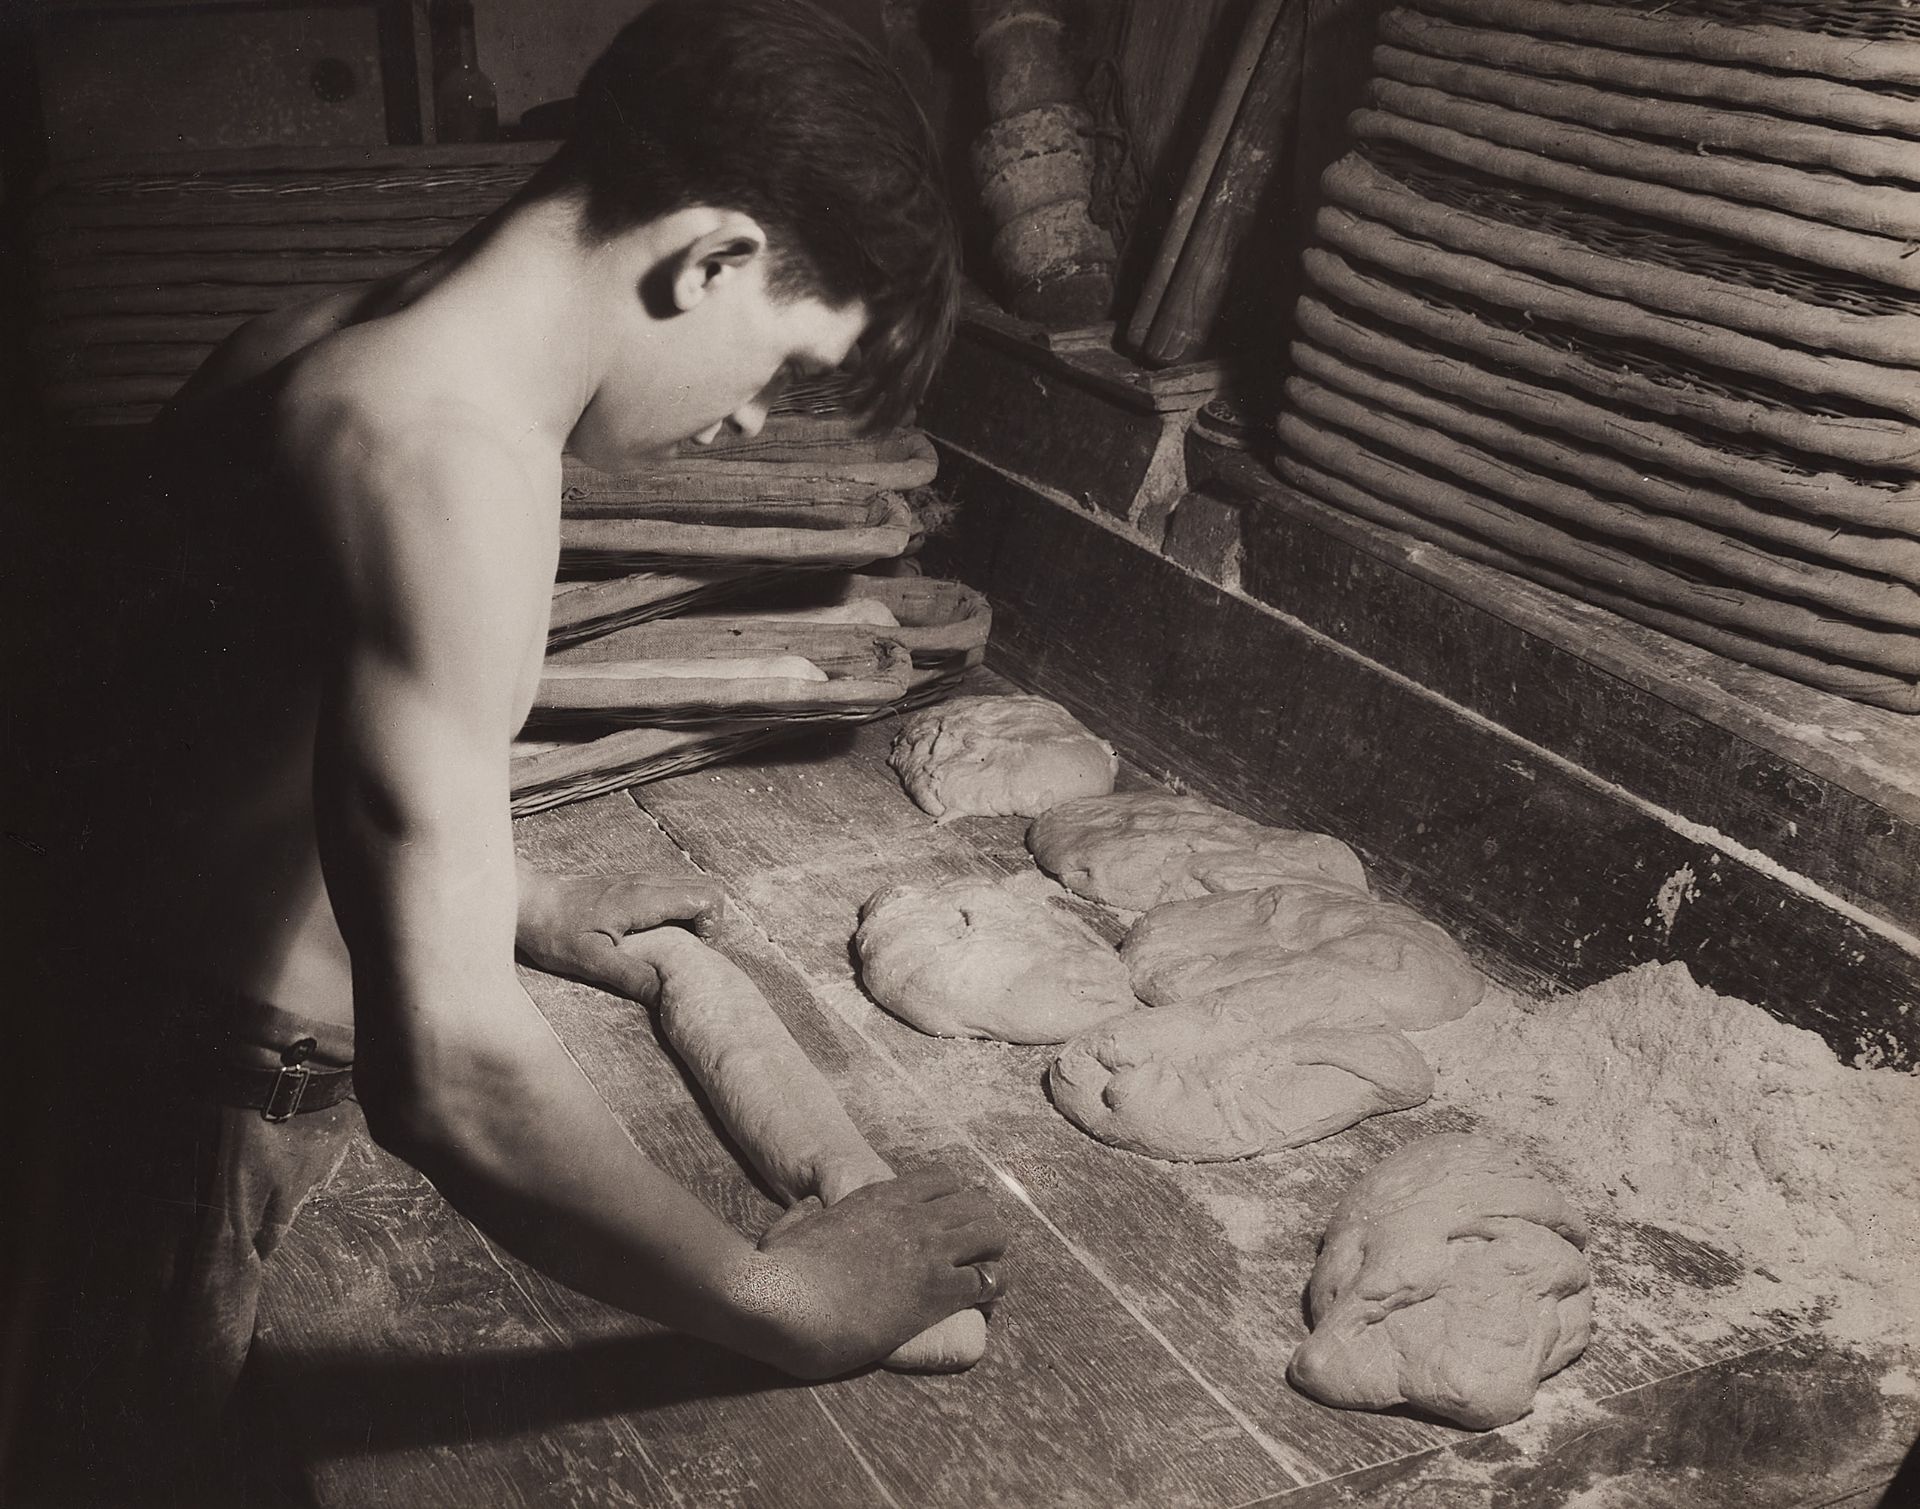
[(714, 257)]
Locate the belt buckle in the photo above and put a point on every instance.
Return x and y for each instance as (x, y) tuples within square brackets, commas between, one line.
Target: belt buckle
[(290, 1084)]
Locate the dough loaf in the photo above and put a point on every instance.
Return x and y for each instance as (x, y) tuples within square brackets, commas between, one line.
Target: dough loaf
[(969, 959), (1451, 1278), (995, 756), (1137, 849), (775, 1102), (1207, 1083), (1346, 955)]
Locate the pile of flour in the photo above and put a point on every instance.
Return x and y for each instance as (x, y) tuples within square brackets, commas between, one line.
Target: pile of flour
[(1704, 1114)]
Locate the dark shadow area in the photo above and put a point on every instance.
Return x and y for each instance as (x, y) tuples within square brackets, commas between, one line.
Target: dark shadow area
[(359, 1404)]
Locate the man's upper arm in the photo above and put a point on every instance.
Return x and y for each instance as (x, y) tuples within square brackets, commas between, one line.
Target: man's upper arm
[(441, 554)]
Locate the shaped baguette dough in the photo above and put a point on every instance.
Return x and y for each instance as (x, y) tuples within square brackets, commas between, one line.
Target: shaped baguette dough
[(995, 756), (1137, 849), (759, 1083), (1351, 957), (751, 668), (1451, 1278), (1207, 1083), (969, 959)]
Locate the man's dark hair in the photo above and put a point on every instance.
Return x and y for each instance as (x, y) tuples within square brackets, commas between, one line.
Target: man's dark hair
[(774, 108)]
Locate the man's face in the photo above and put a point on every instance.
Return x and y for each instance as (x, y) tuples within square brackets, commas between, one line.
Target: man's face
[(709, 370)]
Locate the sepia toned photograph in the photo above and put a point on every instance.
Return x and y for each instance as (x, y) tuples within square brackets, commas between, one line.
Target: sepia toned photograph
[(960, 754)]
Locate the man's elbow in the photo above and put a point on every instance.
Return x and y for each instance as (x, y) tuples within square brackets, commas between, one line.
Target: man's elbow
[(447, 1119)]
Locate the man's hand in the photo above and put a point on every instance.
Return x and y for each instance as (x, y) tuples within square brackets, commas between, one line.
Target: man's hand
[(572, 924), (849, 1282)]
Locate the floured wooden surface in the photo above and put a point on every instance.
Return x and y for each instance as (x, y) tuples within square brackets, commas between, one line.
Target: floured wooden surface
[(1140, 1355)]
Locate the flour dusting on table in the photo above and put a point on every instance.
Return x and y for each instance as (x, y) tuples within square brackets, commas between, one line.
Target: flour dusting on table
[(1705, 1115)]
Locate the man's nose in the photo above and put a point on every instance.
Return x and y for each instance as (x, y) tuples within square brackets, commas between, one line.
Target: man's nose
[(749, 418)]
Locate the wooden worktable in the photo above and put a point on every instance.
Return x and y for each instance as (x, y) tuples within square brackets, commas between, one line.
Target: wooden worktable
[(1139, 1357)]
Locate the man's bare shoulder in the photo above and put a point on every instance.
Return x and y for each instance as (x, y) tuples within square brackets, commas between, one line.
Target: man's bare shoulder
[(416, 490), (363, 420)]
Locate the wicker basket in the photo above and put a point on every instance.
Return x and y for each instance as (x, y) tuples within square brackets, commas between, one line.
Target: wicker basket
[(727, 533), (794, 457), (1622, 299), (553, 770), (942, 624), (604, 681)]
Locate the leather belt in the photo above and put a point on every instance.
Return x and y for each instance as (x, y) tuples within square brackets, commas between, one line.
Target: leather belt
[(277, 1094)]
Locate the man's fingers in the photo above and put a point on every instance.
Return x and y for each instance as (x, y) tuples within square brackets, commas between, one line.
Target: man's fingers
[(964, 1207), (648, 903), (972, 1284), (806, 1205), (980, 1242)]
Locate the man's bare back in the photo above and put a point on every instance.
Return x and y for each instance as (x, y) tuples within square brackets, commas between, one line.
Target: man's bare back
[(248, 912)]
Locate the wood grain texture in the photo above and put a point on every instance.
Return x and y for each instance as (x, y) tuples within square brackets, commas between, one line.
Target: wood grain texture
[(1794, 1425), (1830, 788), (1244, 180), (416, 1365), (1068, 437), (1200, 170)]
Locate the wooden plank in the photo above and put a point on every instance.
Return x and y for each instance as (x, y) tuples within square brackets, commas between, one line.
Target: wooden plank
[(409, 1369), (1066, 1364), (1216, 1256), (415, 1364), (1550, 874), (1797, 1424), (1828, 787), (1064, 435)]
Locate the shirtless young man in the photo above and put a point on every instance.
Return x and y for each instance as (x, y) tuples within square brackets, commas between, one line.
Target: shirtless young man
[(748, 193)]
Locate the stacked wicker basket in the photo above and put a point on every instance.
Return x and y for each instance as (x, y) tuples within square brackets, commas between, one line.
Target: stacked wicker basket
[(143, 266), (1626, 300), (745, 553)]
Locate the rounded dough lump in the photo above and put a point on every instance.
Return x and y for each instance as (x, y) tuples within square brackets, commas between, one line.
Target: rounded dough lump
[(969, 959), (1137, 849), (1452, 1277), (998, 756), (1207, 1083), (1349, 957)]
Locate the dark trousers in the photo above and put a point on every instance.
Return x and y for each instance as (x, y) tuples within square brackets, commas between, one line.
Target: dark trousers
[(155, 1212)]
